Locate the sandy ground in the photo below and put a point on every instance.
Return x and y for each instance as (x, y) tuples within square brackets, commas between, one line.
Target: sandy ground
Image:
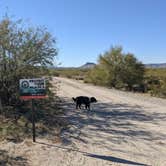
[(121, 129)]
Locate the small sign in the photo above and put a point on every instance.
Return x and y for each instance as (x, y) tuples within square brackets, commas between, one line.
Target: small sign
[(32, 88)]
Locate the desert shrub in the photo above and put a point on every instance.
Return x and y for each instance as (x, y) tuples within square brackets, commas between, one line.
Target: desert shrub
[(97, 76), (156, 85), (70, 72), (24, 53), (117, 69)]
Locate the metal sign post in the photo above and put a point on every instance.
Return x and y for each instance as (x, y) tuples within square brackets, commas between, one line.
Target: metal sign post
[(33, 121), (31, 89)]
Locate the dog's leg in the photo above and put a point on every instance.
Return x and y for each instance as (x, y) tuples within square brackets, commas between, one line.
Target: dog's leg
[(77, 105), (87, 106)]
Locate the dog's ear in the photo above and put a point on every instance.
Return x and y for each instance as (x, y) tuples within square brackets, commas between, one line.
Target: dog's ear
[(74, 99), (93, 100)]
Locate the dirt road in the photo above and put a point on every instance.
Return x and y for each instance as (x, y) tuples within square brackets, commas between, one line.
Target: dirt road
[(121, 129)]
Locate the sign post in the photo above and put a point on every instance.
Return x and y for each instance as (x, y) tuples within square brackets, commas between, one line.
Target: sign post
[(33, 121), (31, 89)]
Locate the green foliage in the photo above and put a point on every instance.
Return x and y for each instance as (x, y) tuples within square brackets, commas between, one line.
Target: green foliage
[(24, 53), (112, 63), (70, 72), (117, 69), (156, 82), (133, 72), (97, 76), (159, 72)]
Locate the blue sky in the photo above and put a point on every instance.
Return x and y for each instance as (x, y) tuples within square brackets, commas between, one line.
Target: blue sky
[(86, 28)]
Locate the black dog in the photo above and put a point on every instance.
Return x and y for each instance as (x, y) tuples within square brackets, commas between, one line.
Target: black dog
[(84, 100)]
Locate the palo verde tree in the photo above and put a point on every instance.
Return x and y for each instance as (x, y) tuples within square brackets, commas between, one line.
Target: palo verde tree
[(112, 62), (133, 71), (24, 53), (117, 69)]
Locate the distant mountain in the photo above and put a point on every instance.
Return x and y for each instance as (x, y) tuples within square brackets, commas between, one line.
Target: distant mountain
[(156, 65), (88, 65)]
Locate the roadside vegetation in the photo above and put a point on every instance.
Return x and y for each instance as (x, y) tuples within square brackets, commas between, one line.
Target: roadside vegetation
[(26, 53), (155, 79), (117, 69), (122, 71), (74, 73)]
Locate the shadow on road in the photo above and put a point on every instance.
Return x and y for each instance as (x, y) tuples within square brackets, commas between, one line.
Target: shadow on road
[(115, 159), (112, 126), (117, 122), (6, 159), (102, 157)]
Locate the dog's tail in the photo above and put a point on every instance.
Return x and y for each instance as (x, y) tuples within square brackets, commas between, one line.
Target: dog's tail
[(74, 99)]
